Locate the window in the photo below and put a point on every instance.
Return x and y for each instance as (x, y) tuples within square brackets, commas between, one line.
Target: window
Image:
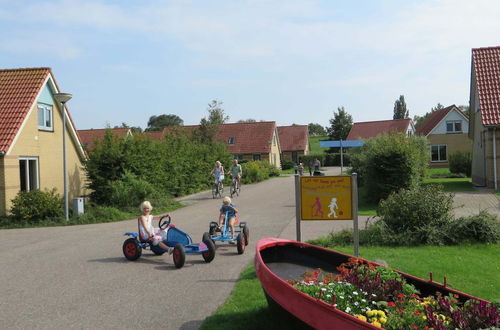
[(294, 156), (256, 157), (231, 140), (45, 117), (454, 126), (438, 153), (28, 171)]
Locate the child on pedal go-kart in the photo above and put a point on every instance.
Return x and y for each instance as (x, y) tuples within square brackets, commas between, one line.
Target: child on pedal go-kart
[(147, 233), (231, 211)]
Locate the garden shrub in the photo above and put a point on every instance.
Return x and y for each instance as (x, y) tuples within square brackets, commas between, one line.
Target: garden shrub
[(460, 162), (99, 213), (287, 164), (390, 162), (480, 228), (36, 205), (256, 171), (418, 214)]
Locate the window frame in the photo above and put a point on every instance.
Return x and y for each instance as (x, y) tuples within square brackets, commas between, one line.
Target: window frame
[(43, 110), (27, 174), (256, 157), (231, 140), (453, 124), (439, 147)]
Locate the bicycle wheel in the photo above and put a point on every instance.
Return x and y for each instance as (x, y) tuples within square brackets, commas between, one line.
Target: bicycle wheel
[(232, 190), (214, 190), (221, 189)]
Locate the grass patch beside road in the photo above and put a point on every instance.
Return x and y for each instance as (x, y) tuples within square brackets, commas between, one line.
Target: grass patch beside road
[(472, 269), (452, 184)]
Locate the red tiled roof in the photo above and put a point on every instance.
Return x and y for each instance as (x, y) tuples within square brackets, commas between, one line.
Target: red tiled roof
[(254, 137), (486, 66), (293, 137), (18, 90), (369, 129), (434, 119), (89, 136)]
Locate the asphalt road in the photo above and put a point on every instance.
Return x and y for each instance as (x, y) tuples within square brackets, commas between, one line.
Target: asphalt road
[(76, 277)]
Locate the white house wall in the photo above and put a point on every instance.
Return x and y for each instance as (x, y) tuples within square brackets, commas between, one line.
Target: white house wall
[(452, 115)]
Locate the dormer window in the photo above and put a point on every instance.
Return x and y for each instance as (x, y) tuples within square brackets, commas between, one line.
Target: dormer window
[(45, 117), (231, 140), (454, 126)]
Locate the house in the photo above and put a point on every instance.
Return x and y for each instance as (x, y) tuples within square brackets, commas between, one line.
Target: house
[(447, 132), (484, 123), (88, 137), (369, 129), (31, 144), (245, 141), (294, 141)]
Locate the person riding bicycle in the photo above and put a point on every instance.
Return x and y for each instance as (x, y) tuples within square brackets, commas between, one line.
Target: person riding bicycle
[(236, 171), (218, 173), (231, 215)]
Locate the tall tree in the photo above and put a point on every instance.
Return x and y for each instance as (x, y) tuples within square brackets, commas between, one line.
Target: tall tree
[(400, 110), (249, 120), (419, 120), (134, 129), (209, 127), (157, 123), (340, 124), (316, 129)]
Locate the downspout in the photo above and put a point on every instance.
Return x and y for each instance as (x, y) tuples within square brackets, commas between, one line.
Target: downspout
[(495, 159)]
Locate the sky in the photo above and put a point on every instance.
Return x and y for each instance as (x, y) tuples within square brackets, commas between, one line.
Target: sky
[(293, 61)]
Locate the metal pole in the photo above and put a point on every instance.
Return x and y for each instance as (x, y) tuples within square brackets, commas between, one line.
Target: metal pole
[(341, 158), (297, 205), (66, 208), (355, 212)]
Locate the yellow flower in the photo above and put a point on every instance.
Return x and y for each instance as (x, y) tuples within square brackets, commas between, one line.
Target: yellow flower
[(361, 317), (381, 313), (370, 313), (383, 320), (377, 324)]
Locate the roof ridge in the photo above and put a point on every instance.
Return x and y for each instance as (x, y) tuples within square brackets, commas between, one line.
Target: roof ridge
[(26, 69), (378, 121)]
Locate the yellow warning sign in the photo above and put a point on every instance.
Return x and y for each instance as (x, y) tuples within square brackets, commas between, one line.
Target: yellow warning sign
[(326, 198)]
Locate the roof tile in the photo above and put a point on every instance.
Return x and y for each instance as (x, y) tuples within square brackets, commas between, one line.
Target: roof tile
[(369, 129), (486, 66), (293, 137)]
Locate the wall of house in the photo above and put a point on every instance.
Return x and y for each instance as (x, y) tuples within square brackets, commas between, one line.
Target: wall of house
[(287, 155), (2, 186), (489, 164), (274, 156), (452, 115), (454, 143), (47, 147), (478, 136)]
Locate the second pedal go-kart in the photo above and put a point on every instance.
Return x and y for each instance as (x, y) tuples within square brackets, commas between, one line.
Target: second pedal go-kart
[(224, 234), (176, 238)]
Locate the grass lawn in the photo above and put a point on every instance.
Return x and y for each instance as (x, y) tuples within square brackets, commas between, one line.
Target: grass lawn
[(314, 144), (452, 184), (473, 269)]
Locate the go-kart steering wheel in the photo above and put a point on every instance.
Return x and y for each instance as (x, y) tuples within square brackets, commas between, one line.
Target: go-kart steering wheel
[(164, 221)]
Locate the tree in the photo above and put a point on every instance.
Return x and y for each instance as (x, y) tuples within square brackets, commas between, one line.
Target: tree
[(249, 120), (418, 121), (400, 110), (340, 124), (157, 123), (134, 129), (316, 130), (208, 128)]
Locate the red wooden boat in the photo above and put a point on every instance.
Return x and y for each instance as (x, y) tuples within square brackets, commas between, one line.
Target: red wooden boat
[(278, 260)]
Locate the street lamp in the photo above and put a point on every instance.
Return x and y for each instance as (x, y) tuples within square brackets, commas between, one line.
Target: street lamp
[(61, 99)]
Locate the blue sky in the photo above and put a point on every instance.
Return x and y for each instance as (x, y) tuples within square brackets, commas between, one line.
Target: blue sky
[(292, 61)]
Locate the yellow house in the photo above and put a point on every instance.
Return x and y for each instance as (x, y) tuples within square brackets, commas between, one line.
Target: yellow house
[(31, 140)]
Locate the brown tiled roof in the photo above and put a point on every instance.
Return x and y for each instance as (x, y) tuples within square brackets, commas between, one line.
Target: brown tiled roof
[(89, 136), (486, 66), (254, 137), (434, 119), (369, 129), (18, 91), (293, 137)]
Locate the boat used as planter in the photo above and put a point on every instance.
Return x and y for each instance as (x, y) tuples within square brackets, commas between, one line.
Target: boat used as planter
[(279, 260)]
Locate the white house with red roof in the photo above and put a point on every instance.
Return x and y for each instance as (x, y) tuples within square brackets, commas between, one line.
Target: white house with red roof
[(484, 124), (294, 141), (31, 144), (447, 132), (369, 129)]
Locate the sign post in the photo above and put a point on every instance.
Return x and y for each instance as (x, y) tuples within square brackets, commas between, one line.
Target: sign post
[(297, 205)]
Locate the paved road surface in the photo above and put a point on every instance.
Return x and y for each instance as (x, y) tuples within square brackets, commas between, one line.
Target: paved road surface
[(77, 278)]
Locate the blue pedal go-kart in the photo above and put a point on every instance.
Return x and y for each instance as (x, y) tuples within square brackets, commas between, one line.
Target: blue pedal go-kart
[(176, 238), (224, 234)]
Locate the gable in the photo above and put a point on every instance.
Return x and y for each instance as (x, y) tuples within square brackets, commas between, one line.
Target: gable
[(452, 116)]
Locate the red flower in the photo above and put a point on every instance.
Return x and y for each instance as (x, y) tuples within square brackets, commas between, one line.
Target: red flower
[(401, 295), (414, 326), (415, 295), (391, 304), (400, 311), (416, 312)]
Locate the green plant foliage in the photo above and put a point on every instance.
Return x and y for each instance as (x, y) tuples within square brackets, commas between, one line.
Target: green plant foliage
[(287, 164), (36, 205), (480, 228), (390, 162), (256, 171), (417, 215), (461, 163)]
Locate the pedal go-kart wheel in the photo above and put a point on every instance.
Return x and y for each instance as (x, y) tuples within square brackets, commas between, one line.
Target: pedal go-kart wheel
[(179, 255), (131, 249), (246, 234), (212, 228), (209, 255), (240, 244)]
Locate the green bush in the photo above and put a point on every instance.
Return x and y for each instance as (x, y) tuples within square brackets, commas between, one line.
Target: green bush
[(287, 164), (390, 162), (417, 215), (461, 163), (256, 171), (36, 205), (98, 213), (481, 228)]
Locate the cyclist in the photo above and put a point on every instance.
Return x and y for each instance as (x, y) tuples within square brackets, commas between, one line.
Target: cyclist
[(236, 171), (218, 173)]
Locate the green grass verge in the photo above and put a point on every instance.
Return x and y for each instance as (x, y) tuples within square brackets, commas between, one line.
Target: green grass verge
[(314, 144), (437, 171), (473, 269), (452, 184)]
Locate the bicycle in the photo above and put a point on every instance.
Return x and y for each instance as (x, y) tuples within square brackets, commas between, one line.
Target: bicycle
[(217, 189), (235, 188)]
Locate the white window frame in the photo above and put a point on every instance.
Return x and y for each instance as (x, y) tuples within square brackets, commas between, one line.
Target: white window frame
[(439, 146), (231, 140), (26, 174), (45, 111), (454, 129)]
